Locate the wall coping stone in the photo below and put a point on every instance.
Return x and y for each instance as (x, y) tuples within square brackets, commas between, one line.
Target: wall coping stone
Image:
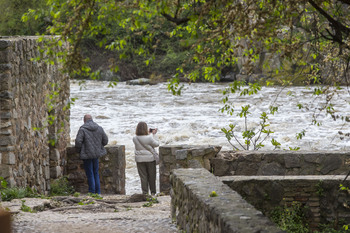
[(227, 212), (282, 178)]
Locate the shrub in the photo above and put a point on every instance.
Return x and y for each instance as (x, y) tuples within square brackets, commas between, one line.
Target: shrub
[(61, 187), (291, 219), (7, 194)]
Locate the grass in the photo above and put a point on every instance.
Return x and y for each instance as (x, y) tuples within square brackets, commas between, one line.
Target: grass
[(151, 200), (8, 194), (59, 187)]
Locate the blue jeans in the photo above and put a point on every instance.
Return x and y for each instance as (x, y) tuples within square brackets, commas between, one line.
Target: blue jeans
[(91, 171)]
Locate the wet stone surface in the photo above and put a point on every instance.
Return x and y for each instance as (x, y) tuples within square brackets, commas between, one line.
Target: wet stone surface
[(113, 213)]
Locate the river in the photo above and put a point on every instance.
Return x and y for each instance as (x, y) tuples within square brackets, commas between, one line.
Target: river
[(194, 117)]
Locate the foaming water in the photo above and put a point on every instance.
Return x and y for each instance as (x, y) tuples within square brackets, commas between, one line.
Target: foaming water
[(194, 117)]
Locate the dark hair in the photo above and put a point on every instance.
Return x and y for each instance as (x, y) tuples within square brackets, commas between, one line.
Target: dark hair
[(141, 129)]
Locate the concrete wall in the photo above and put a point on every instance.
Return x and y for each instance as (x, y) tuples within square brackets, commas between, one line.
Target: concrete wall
[(112, 171), (195, 211), (26, 158), (260, 163), (324, 201), (183, 156)]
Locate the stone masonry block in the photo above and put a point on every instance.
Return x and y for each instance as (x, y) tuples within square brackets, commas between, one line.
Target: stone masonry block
[(47, 172), (7, 140), (5, 56), (5, 171), (5, 115), (55, 172), (5, 104), (54, 155), (10, 158), (168, 159), (7, 148), (193, 163), (4, 44), (331, 163), (198, 152), (5, 132), (292, 161), (6, 95), (5, 67), (181, 154)]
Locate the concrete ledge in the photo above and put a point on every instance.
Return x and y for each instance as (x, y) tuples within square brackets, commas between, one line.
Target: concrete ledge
[(195, 211)]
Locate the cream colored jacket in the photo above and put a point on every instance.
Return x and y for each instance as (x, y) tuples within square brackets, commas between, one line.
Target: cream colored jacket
[(143, 152)]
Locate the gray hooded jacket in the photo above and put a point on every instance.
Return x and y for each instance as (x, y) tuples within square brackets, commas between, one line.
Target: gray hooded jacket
[(90, 141)]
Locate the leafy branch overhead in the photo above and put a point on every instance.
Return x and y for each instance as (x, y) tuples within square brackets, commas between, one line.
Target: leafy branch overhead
[(288, 42), (308, 35)]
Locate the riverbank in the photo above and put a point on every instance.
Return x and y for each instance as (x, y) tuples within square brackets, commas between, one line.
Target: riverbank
[(113, 213)]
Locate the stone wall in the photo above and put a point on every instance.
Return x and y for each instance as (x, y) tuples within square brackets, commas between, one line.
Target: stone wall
[(183, 156), (112, 171), (26, 86), (324, 202), (195, 211), (260, 163)]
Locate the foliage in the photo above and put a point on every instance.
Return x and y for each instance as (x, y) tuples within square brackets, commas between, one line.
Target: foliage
[(151, 200), (320, 190), (310, 39), (213, 194), (7, 193), (133, 42), (291, 219), (10, 19), (344, 188), (328, 228), (76, 194), (253, 137), (345, 204), (61, 187), (25, 208), (309, 35), (86, 202), (95, 195)]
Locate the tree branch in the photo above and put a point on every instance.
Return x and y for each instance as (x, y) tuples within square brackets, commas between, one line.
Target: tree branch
[(345, 1), (174, 19), (338, 27)]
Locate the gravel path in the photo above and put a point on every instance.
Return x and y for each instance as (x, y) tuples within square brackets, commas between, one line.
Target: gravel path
[(114, 213)]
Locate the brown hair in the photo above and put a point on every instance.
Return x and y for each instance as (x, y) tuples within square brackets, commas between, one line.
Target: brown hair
[(141, 129)]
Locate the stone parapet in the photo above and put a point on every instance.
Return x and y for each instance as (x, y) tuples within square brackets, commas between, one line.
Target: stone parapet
[(29, 90), (196, 211), (283, 163), (183, 156), (111, 167), (320, 195)]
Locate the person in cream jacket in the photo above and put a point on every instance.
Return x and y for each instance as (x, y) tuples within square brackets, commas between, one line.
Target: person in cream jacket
[(145, 143)]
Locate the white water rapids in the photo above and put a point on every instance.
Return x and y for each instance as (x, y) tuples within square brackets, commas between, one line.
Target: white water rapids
[(194, 117)]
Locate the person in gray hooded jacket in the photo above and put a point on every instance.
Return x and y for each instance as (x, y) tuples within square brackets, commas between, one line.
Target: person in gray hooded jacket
[(89, 143)]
